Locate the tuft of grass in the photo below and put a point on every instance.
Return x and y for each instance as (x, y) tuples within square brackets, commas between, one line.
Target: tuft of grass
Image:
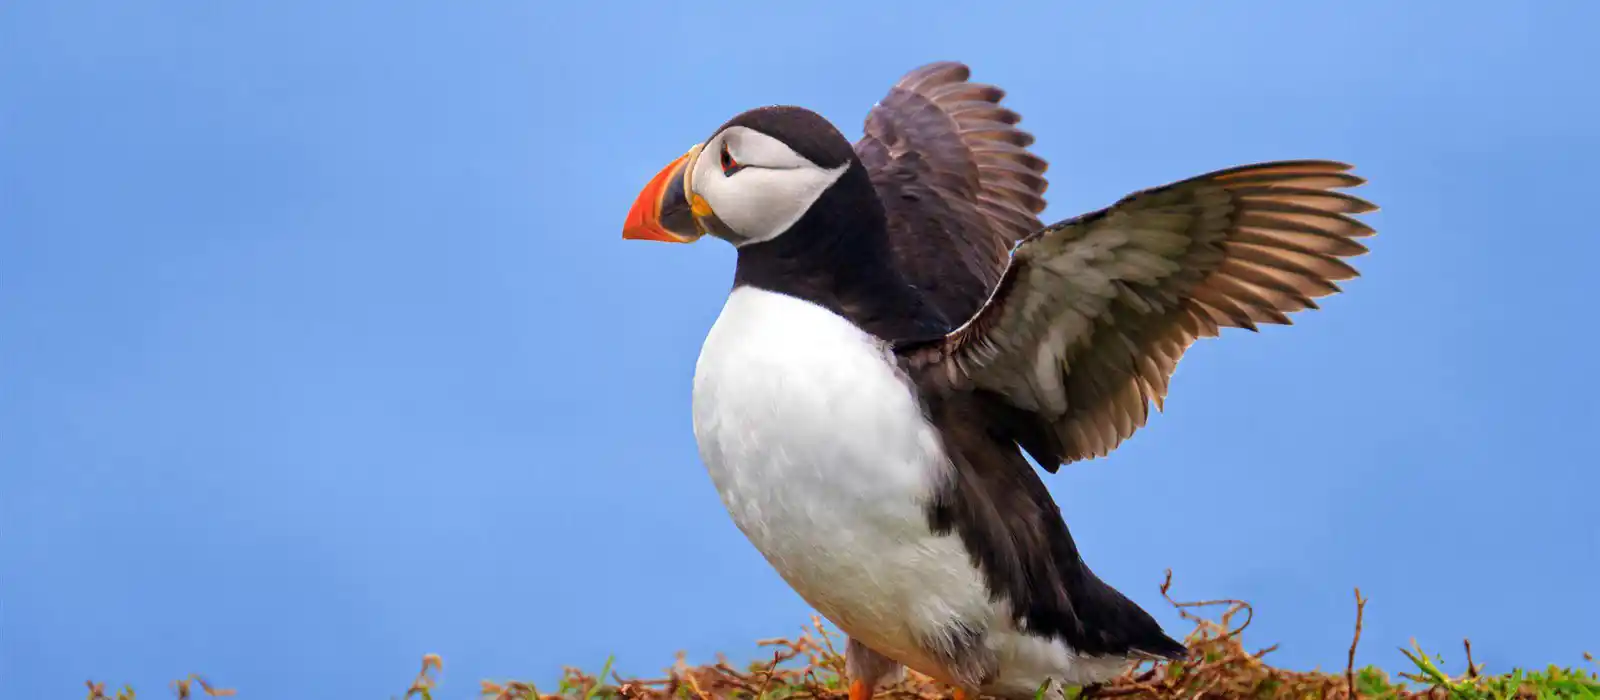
[(811, 666)]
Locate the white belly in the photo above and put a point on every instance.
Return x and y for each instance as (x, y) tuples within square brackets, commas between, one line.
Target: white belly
[(823, 458)]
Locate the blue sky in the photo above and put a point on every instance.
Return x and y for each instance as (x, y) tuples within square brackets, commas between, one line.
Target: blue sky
[(320, 349)]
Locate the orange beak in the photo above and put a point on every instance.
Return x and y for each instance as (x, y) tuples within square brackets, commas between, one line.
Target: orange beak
[(663, 211)]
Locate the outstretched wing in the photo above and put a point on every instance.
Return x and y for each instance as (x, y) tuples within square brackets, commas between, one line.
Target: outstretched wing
[(1092, 315), (956, 181)]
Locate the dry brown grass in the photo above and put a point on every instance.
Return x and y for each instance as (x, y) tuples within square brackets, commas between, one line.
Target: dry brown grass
[(1218, 666)]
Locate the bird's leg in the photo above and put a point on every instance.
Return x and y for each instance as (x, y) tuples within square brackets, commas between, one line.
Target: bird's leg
[(962, 694), (868, 669)]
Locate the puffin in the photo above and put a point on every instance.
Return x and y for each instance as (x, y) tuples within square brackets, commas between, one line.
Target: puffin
[(903, 334)]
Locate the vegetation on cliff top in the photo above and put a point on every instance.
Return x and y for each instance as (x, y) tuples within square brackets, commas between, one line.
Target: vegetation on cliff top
[(1218, 666)]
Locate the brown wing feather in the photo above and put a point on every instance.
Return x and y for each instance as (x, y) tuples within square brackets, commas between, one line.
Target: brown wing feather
[(957, 182), (1094, 313)]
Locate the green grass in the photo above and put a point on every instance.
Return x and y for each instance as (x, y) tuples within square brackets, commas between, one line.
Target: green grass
[(1218, 666)]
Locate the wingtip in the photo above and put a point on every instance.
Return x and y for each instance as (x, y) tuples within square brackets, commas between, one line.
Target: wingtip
[(936, 72), (1175, 651), (1160, 648)]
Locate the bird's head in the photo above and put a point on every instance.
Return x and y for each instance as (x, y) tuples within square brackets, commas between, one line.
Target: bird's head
[(754, 179)]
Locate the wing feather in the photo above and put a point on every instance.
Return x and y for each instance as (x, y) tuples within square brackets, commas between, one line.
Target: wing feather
[(1093, 314), (957, 182)]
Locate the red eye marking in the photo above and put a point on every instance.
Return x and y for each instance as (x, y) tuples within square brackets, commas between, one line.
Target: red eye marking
[(729, 165)]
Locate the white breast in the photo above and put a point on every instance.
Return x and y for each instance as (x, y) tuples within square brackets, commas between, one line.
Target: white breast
[(823, 458)]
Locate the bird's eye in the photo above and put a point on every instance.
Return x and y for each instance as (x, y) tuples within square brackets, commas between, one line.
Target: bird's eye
[(729, 165)]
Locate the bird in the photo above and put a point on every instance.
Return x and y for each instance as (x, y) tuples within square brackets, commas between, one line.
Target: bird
[(903, 334)]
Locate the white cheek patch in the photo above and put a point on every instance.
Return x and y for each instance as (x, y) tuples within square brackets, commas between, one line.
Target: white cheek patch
[(759, 204), (750, 146), (767, 196)]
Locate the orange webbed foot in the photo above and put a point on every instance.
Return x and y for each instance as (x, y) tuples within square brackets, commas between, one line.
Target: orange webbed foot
[(859, 690)]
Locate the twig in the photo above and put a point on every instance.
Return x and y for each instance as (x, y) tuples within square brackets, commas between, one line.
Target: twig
[(1350, 665), (1472, 668), (1233, 603), (688, 675), (772, 669)]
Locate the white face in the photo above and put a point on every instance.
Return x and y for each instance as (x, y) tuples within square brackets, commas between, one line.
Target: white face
[(767, 188)]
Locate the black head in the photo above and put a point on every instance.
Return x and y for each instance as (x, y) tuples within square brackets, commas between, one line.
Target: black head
[(756, 178)]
